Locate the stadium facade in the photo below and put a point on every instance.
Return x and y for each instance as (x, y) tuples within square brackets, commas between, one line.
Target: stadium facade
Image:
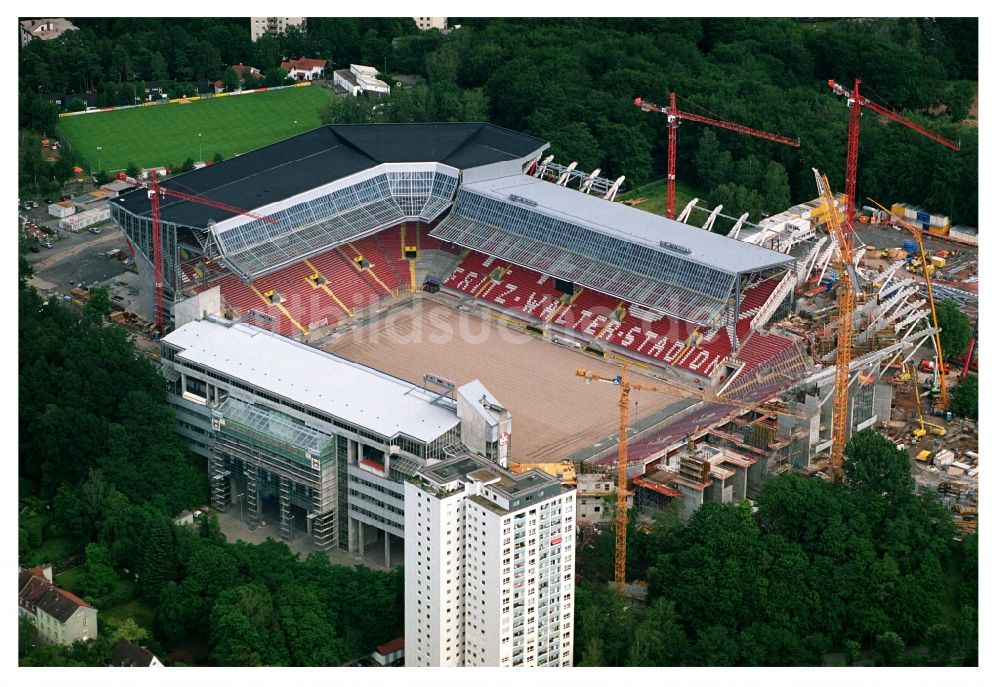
[(319, 445)]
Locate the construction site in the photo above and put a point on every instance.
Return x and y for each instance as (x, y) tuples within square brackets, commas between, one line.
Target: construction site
[(447, 255)]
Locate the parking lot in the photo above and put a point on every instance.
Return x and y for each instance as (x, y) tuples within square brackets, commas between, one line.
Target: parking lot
[(74, 258)]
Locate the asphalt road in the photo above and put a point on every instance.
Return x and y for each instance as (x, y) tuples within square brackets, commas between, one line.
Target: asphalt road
[(75, 259)]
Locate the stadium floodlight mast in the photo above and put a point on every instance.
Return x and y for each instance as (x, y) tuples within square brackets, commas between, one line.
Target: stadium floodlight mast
[(99, 166), (200, 158)]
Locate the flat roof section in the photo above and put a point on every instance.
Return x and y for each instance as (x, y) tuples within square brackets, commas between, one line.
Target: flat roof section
[(314, 158), (346, 390), (631, 224)]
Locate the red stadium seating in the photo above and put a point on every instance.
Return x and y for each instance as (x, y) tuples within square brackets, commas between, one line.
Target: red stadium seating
[(345, 281), (591, 315), (379, 262)]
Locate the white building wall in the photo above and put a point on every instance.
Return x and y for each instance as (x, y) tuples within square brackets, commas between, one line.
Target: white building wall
[(435, 584), (488, 588)]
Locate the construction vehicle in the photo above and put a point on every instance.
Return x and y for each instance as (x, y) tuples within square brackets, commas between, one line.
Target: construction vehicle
[(936, 430), (849, 284), (626, 386), (674, 117), (942, 401), (855, 101)]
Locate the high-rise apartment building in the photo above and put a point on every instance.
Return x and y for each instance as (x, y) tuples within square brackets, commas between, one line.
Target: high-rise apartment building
[(489, 566), (273, 25)]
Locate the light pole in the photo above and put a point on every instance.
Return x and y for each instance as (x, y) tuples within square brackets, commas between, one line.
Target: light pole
[(200, 159), (99, 165), (296, 126)]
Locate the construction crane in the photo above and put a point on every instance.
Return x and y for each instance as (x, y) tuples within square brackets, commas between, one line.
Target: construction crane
[(845, 322), (942, 400), (674, 117), (154, 191), (622, 381), (855, 101), (936, 430), (972, 349)]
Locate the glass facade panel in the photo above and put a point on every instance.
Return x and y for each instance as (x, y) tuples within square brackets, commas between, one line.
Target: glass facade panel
[(639, 274)]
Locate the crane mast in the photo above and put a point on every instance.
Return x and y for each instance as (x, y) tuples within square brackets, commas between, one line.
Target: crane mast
[(855, 101), (845, 325), (626, 386), (154, 191), (674, 118)]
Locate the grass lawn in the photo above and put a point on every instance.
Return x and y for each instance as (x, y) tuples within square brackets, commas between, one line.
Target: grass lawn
[(654, 197), (69, 579), (168, 134)]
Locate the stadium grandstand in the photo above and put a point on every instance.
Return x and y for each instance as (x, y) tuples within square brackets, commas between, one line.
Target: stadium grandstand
[(347, 217)]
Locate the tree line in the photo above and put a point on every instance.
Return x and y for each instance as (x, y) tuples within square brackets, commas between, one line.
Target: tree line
[(862, 571), (99, 457)]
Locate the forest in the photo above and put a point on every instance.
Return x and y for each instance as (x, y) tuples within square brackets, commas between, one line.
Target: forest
[(572, 82)]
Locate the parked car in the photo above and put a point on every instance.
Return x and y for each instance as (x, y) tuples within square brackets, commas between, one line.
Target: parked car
[(94, 230), (35, 248), (47, 244)]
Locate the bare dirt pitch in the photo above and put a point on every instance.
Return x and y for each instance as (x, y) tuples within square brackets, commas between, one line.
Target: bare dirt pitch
[(555, 413)]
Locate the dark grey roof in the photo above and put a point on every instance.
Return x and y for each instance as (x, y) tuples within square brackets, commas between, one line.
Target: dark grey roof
[(126, 654), (323, 155), (60, 604)]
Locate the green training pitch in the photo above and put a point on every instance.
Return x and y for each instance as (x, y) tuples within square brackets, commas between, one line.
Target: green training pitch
[(166, 135)]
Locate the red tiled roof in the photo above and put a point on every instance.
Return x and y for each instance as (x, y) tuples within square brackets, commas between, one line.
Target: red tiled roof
[(241, 69), (390, 646), (304, 63)]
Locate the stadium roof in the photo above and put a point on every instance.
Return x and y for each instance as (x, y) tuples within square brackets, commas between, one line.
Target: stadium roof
[(347, 390), (674, 268), (631, 224), (289, 167)]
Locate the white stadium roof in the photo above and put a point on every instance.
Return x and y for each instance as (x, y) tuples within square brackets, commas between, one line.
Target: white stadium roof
[(347, 390)]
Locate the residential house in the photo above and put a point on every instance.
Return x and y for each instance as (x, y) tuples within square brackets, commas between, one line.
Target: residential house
[(243, 72), (126, 654), (59, 616), (273, 25), (46, 29), (304, 68), (360, 79)]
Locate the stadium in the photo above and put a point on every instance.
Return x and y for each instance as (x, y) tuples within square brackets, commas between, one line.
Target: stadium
[(378, 278), (354, 217)]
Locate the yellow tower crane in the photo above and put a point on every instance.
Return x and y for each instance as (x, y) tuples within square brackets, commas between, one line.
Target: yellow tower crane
[(942, 400), (845, 324), (626, 386)]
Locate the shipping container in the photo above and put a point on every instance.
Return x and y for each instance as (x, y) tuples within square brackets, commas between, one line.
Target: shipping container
[(961, 466), (938, 262), (940, 220), (939, 231), (923, 217)]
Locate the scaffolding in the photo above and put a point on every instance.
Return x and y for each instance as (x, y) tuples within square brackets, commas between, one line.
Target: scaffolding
[(269, 453)]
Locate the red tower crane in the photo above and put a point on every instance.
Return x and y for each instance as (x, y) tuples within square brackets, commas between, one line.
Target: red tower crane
[(855, 101), (674, 117), (154, 190)]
